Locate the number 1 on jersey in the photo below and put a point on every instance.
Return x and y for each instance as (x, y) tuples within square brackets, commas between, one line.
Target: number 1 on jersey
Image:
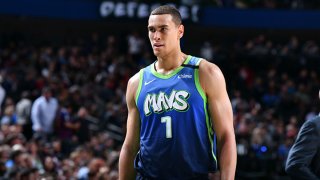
[(167, 120)]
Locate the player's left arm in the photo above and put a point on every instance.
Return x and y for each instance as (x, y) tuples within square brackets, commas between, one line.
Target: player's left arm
[(213, 83)]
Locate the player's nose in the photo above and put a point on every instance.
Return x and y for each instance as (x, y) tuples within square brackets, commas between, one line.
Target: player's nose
[(156, 35)]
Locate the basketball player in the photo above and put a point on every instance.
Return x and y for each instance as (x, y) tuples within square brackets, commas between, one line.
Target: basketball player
[(180, 122)]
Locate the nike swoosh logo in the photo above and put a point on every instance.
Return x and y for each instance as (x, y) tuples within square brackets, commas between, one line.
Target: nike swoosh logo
[(146, 83)]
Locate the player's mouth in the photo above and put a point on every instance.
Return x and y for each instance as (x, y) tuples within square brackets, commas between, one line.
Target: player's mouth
[(157, 45)]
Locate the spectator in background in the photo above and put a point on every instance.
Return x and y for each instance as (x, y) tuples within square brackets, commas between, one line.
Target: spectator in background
[(83, 133), (136, 46), (9, 116), (23, 110), (304, 158), (50, 171), (34, 150), (9, 120), (66, 126), (91, 171), (43, 114)]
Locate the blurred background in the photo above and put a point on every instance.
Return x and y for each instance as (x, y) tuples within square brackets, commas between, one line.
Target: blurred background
[(79, 54)]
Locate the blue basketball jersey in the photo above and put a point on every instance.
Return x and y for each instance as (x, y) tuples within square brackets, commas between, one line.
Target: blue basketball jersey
[(176, 136)]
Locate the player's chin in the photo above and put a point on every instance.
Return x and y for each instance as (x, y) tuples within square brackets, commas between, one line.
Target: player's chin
[(156, 52)]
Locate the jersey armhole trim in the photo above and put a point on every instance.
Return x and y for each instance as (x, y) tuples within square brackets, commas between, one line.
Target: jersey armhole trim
[(197, 82), (208, 120), (210, 134), (140, 85)]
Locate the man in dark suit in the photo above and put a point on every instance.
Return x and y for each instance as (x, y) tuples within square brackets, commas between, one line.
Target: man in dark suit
[(304, 157)]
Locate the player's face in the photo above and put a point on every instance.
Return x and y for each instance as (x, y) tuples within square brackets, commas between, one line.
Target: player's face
[(164, 34)]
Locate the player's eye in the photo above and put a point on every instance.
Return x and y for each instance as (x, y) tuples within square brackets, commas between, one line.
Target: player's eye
[(151, 29), (163, 29)]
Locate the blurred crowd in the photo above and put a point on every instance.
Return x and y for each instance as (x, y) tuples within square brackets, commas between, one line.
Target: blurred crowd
[(63, 110)]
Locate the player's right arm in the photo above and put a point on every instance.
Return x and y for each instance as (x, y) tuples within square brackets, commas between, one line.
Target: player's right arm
[(131, 143)]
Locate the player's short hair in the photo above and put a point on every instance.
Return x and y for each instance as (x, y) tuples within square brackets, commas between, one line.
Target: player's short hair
[(166, 9)]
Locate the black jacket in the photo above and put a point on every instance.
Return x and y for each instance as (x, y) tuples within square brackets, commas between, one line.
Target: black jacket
[(304, 157)]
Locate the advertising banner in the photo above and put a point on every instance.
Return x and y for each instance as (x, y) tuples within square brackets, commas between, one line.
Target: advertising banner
[(137, 11)]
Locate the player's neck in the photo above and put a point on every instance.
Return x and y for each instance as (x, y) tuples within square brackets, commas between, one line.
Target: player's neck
[(167, 64)]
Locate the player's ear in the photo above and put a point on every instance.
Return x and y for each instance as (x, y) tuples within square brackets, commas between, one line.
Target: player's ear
[(181, 30)]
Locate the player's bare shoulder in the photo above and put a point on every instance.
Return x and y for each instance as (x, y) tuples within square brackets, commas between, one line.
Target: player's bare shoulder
[(134, 80), (210, 75), (133, 84), (208, 67)]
